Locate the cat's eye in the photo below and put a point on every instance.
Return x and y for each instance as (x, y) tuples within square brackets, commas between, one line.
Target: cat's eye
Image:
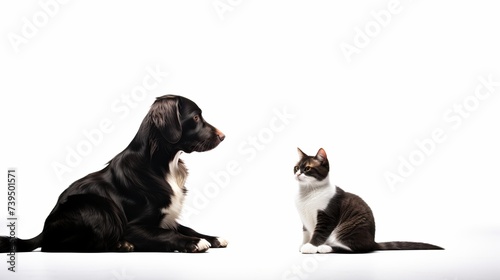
[(196, 118), (307, 168), (295, 169)]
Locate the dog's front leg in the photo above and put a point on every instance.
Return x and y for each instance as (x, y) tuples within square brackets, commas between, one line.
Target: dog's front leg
[(215, 242), (154, 239)]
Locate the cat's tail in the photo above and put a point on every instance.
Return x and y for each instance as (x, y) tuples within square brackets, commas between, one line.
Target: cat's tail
[(403, 245), (8, 244)]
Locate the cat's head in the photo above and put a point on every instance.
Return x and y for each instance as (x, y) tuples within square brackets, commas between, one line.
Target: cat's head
[(311, 170)]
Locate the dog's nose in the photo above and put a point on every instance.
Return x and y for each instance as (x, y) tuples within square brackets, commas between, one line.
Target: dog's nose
[(220, 135)]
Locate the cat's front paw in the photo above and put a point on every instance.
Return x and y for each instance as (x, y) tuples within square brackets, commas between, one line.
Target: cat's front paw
[(324, 249), (308, 248)]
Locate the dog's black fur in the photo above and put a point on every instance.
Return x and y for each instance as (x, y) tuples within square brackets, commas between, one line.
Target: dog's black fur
[(132, 204)]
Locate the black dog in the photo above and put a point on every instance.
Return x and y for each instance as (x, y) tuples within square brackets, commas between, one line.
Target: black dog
[(133, 203)]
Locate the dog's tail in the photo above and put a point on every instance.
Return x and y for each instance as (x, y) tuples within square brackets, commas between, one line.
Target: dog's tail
[(9, 244), (403, 245)]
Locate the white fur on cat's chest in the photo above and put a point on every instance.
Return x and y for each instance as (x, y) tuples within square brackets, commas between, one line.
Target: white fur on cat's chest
[(309, 203), (176, 178)]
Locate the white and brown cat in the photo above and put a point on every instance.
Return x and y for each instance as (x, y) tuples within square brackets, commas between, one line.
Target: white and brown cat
[(334, 220)]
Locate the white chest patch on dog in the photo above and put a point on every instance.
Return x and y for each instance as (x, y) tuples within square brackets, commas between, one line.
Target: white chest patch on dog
[(176, 177)]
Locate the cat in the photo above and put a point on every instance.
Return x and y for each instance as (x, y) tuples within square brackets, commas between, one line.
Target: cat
[(335, 221)]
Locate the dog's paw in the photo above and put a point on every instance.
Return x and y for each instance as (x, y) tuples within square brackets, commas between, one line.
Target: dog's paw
[(202, 246), (124, 246), (222, 243), (324, 249), (217, 242), (308, 248)]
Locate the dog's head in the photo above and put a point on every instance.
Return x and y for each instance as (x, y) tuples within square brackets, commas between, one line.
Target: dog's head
[(181, 124)]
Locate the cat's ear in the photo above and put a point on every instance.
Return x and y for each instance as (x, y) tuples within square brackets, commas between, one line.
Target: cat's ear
[(321, 155), (301, 153)]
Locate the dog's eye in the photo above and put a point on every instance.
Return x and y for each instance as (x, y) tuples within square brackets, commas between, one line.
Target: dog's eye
[(196, 118)]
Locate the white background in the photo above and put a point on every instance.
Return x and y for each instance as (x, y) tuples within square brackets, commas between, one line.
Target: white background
[(242, 65)]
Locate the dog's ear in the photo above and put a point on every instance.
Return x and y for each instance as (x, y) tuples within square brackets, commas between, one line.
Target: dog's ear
[(165, 116)]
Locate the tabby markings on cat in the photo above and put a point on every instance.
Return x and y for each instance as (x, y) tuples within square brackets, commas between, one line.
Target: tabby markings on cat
[(334, 220)]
